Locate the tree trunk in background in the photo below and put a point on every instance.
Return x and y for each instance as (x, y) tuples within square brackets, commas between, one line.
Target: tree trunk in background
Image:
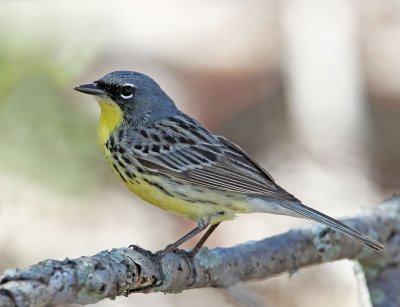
[(325, 96)]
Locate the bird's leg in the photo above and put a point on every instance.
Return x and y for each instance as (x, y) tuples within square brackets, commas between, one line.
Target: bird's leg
[(201, 225), (204, 238)]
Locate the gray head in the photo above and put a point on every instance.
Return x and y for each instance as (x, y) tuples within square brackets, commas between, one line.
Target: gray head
[(137, 95)]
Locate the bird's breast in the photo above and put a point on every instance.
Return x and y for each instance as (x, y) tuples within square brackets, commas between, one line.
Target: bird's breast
[(111, 118)]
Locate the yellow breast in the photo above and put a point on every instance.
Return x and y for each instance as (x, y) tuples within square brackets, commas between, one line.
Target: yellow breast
[(111, 117), (160, 191)]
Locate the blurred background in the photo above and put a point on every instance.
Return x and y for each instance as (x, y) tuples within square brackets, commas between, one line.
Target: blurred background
[(309, 88)]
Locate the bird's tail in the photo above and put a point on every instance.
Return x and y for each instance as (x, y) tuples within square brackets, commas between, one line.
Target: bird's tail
[(317, 216)]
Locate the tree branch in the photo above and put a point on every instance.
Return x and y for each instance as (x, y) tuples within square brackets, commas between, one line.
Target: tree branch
[(123, 271)]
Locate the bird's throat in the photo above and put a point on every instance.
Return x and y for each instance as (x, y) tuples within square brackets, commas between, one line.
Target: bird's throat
[(111, 117)]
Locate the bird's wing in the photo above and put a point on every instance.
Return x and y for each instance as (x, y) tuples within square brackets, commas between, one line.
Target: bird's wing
[(203, 159)]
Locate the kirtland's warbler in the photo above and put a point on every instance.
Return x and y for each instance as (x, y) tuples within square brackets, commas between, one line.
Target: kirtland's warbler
[(173, 162)]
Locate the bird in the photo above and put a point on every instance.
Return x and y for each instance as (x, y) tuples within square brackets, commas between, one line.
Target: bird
[(172, 161)]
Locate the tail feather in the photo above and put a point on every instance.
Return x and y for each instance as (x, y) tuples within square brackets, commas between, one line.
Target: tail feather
[(332, 223)]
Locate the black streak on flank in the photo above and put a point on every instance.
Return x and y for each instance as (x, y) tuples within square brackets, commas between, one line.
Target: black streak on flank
[(121, 150), (200, 201), (181, 195), (144, 133), (130, 175), (178, 182), (120, 134), (126, 160), (120, 164), (158, 186), (191, 200), (111, 142), (116, 169)]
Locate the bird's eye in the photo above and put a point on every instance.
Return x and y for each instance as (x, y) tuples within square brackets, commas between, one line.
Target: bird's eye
[(127, 90)]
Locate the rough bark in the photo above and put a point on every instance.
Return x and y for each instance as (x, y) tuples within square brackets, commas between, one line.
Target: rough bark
[(122, 271)]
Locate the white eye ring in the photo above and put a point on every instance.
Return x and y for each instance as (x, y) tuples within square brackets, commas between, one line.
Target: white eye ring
[(128, 85)]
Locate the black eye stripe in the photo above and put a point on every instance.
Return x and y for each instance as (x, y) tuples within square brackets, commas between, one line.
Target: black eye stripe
[(116, 90), (111, 89), (100, 84)]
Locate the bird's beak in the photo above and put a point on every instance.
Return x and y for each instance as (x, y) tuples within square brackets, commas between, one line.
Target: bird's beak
[(90, 89)]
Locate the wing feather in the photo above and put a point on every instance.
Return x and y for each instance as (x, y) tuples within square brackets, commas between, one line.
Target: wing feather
[(211, 162)]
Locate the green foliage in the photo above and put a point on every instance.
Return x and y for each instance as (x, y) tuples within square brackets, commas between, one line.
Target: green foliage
[(44, 135)]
